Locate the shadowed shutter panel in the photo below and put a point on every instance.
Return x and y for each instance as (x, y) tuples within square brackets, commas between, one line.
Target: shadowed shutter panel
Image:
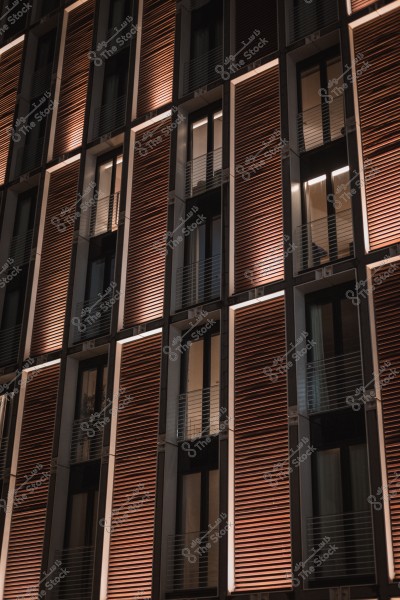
[(379, 113), (10, 66), (148, 225), (74, 81), (157, 55), (131, 547), (360, 4), (258, 15), (262, 512), (258, 193), (51, 300), (29, 513), (386, 281)]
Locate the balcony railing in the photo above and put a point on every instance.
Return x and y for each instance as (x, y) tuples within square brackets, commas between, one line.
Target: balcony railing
[(93, 317), (324, 240), (3, 455), (87, 439), (104, 215), (198, 413), (351, 534), (203, 173), (29, 158), (192, 561), (198, 283), (41, 81), (321, 124), (9, 344), (77, 583), (109, 117), (200, 71), (331, 381), (20, 248), (309, 17)]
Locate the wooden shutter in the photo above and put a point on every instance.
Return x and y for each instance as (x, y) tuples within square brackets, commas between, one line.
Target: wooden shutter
[(258, 195), (360, 4), (157, 55), (386, 282), (28, 519), (10, 67), (379, 113), (148, 225), (74, 79), (51, 300), (131, 547), (262, 512), (252, 15)]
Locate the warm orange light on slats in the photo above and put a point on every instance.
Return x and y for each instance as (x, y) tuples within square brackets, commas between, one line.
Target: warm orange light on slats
[(258, 193), (360, 4), (28, 519), (379, 113), (131, 546), (262, 512), (48, 324), (10, 66)]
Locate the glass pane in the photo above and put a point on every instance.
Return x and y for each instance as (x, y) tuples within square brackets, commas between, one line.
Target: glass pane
[(336, 107), (214, 383), (194, 402), (217, 143), (350, 328), (199, 155), (213, 516), (103, 202), (359, 477), (329, 482), (311, 108), (96, 278), (191, 507), (76, 533), (88, 394), (315, 243), (342, 203), (194, 280)]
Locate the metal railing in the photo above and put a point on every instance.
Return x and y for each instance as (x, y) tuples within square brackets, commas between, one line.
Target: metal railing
[(203, 173), (20, 248), (3, 455), (200, 71), (87, 440), (198, 414), (77, 583), (104, 214), (321, 124), (331, 381), (109, 117), (350, 545), (41, 81), (9, 344), (198, 282), (93, 317), (324, 240), (30, 158), (192, 561), (309, 17)]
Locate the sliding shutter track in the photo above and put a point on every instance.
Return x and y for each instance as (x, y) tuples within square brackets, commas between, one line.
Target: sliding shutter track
[(29, 514), (51, 300), (379, 113), (157, 55), (148, 226), (387, 316), (10, 67), (74, 79), (258, 193), (131, 547), (262, 512)]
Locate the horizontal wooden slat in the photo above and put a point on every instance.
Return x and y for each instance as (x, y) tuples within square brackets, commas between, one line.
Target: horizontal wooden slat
[(262, 512), (48, 325), (74, 81), (379, 114), (157, 55), (131, 548), (148, 225), (258, 198), (35, 453), (10, 67)]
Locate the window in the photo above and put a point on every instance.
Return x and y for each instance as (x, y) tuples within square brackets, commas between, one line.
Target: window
[(307, 17), (118, 11), (111, 114), (104, 215), (204, 153)]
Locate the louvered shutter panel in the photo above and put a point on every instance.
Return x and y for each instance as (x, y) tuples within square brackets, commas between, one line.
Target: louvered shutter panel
[(379, 114), (262, 512), (10, 67), (254, 15), (131, 546), (74, 79), (157, 55), (386, 281), (148, 225), (360, 4), (258, 194), (29, 514), (51, 300)]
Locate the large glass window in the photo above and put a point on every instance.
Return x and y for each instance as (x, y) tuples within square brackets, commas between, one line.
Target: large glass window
[(205, 153)]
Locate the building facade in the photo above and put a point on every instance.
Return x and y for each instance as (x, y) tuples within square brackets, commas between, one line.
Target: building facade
[(199, 309)]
